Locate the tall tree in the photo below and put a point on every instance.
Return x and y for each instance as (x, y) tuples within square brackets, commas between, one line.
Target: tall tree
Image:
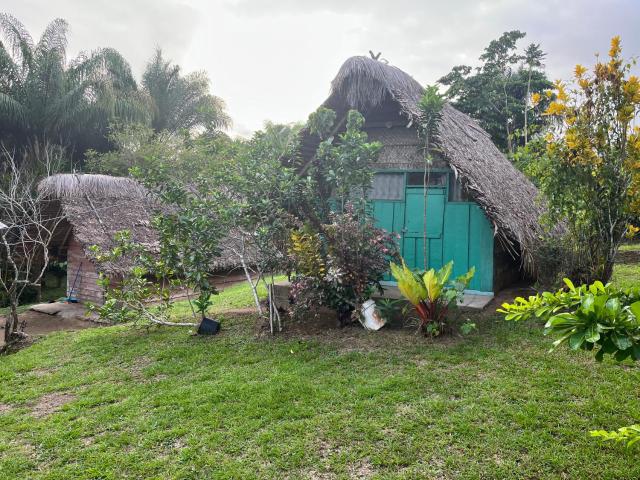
[(182, 102), (26, 230), (591, 176), (533, 57), (44, 98), (497, 93)]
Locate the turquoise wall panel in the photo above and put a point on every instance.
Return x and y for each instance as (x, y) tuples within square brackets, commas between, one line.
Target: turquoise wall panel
[(383, 214), (456, 236), (480, 249), (435, 253), (414, 212)]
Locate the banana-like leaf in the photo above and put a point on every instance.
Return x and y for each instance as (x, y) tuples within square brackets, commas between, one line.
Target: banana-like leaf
[(430, 279), (409, 284), (445, 272)]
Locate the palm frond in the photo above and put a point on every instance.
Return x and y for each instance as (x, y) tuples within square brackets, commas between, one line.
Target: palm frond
[(9, 71), (54, 38), (182, 102), (12, 111), (103, 64), (18, 40)]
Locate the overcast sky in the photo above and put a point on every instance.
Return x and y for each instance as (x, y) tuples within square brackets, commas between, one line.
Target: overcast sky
[(274, 60)]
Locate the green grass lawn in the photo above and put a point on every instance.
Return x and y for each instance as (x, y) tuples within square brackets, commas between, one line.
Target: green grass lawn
[(627, 275), (120, 402), (236, 296), (629, 247)]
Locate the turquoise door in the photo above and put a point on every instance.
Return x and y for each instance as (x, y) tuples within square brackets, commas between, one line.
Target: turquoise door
[(413, 233)]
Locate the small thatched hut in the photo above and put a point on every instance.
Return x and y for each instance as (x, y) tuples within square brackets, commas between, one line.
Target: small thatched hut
[(481, 210), (95, 208)]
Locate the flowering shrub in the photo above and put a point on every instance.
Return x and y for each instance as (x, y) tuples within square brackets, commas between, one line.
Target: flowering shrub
[(590, 172), (341, 266)]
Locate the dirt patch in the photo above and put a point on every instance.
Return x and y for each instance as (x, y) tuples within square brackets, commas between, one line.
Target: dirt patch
[(138, 366), (4, 408), (628, 256), (51, 403), (37, 323), (315, 475), (324, 328), (362, 470)]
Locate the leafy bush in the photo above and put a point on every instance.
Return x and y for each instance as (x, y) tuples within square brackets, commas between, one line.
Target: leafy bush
[(132, 298), (628, 435), (431, 292), (585, 317), (342, 266)]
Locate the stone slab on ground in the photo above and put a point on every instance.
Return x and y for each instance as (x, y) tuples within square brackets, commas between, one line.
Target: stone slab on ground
[(64, 310), (48, 308)]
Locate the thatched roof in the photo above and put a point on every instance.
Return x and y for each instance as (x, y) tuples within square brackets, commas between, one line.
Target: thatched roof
[(508, 198), (96, 207)]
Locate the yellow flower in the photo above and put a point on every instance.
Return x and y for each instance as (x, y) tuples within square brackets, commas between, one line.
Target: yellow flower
[(632, 231), (571, 139), (614, 51), (555, 108), (535, 99), (580, 71), (632, 89), (562, 92)]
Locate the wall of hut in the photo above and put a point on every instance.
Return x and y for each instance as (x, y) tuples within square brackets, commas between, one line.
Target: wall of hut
[(82, 276)]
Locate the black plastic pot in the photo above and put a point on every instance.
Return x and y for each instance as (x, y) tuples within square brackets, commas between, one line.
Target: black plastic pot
[(344, 315), (208, 326)]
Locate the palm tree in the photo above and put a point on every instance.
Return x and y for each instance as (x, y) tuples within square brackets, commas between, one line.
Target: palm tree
[(45, 99), (182, 102)]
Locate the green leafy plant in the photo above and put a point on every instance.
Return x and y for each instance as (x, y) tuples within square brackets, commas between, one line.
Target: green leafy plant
[(431, 293), (391, 308), (140, 295), (590, 174), (628, 435), (468, 327), (585, 317), (341, 267)]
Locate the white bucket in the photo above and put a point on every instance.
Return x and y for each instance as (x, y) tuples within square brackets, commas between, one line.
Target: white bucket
[(371, 319)]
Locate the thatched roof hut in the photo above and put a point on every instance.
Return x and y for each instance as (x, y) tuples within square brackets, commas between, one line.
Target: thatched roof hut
[(95, 208), (387, 96)]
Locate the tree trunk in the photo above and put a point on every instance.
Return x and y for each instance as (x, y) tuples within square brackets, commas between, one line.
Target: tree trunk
[(607, 271), (12, 318), (526, 109)]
